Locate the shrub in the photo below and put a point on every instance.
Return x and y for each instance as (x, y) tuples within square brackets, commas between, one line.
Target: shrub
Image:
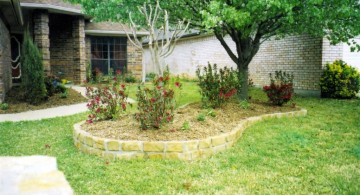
[(64, 94), (50, 84), (4, 106), (216, 87), (201, 117), (106, 102), (150, 76), (33, 84), (281, 88), (156, 106), (130, 78), (339, 80), (54, 85)]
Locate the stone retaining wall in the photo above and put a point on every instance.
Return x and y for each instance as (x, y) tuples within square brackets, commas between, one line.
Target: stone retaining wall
[(182, 150)]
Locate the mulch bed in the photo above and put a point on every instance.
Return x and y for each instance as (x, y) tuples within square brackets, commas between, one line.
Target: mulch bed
[(127, 128), (16, 105)]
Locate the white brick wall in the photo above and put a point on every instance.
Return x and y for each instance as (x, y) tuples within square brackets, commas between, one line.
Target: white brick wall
[(351, 58), (192, 52), (304, 56)]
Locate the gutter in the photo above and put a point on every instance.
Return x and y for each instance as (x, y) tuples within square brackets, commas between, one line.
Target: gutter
[(112, 33), (18, 12), (56, 8)]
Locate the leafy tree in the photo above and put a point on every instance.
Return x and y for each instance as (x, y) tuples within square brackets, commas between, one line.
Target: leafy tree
[(33, 84), (249, 22)]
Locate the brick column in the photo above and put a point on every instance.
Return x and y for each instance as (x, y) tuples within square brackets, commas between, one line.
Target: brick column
[(41, 36), (134, 60), (79, 49)]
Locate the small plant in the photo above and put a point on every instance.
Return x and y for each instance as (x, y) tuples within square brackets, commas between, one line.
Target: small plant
[(150, 76), (51, 82), (280, 90), (130, 78), (156, 106), (216, 87), (106, 102), (244, 104), (64, 95), (201, 117), (339, 80), (211, 113), (185, 126), (97, 75), (4, 106)]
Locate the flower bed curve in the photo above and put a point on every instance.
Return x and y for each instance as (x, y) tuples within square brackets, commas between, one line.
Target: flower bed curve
[(182, 150)]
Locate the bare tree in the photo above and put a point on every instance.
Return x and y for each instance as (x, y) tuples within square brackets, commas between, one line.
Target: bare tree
[(161, 39)]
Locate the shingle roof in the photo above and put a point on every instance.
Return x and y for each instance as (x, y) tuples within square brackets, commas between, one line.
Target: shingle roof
[(59, 3), (109, 28)]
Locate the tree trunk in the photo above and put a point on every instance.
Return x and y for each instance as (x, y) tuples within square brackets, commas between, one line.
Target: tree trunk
[(243, 72)]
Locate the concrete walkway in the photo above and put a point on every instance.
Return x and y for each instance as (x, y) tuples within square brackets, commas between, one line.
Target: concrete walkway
[(32, 175), (50, 112)]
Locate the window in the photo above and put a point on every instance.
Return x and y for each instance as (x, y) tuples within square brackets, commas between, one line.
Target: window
[(108, 53)]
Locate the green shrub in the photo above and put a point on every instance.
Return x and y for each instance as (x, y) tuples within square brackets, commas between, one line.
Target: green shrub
[(339, 80), (201, 117), (150, 76), (32, 83), (54, 85), (4, 106), (64, 94), (216, 87), (130, 78), (50, 84), (280, 90)]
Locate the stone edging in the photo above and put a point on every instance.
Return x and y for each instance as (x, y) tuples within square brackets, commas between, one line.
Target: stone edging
[(182, 150)]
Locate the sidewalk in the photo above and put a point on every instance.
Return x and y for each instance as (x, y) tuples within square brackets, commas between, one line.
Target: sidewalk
[(50, 112)]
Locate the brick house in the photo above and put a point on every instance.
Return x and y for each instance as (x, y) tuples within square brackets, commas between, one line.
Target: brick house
[(67, 39), (304, 56)]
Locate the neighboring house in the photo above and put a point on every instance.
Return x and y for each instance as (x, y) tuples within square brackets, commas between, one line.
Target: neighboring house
[(304, 56), (67, 38)]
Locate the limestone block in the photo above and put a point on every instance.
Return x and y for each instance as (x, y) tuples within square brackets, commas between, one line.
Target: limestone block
[(153, 147), (113, 145), (131, 146), (99, 143), (206, 143), (192, 145), (206, 152), (231, 136), (156, 156), (89, 140), (172, 155), (174, 147), (219, 148), (218, 140)]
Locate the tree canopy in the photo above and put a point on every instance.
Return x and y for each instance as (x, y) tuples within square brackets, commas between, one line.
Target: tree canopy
[(248, 22)]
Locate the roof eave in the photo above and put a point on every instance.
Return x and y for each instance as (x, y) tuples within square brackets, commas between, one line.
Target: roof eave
[(18, 12), (55, 8), (112, 33)]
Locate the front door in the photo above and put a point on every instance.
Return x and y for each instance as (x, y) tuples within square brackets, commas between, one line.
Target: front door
[(16, 40)]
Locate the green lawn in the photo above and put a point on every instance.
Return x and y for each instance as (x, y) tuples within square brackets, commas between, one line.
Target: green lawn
[(319, 153)]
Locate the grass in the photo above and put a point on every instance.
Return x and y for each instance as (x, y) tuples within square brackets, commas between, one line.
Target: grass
[(319, 153)]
